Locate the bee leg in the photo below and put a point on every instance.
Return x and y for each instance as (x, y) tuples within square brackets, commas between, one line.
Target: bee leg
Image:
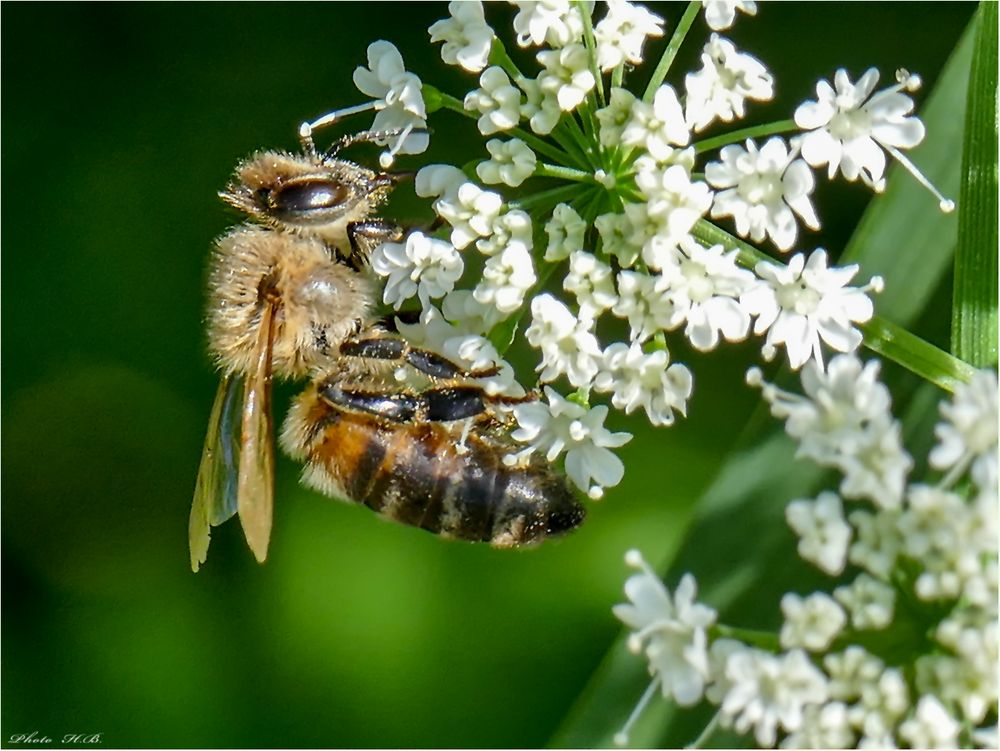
[(365, 236), (444, 404), (429, 363)]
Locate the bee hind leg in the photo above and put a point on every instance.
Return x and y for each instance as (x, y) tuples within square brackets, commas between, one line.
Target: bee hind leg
[(427, 362), (441, 404)]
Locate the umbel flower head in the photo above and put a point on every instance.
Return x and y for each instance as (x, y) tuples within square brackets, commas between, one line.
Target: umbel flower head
[(594, 208), (900, 651)]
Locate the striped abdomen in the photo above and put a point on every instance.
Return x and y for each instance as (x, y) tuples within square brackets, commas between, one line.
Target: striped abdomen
[(416, 474)]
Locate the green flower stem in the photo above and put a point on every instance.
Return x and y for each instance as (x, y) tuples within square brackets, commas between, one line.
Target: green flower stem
[(663, 67), (542, 146), (447, 101), (588, 38), (974, 312), (737, 136), (570, 129), (882, 337), (761, 639), (591, 205), (618, 75), (542, 198), (562, 173), (499, 56), (707, 732)]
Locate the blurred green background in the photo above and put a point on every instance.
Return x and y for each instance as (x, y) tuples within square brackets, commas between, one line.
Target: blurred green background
[(120, 123)]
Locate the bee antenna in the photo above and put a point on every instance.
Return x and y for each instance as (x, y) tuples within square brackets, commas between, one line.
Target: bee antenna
[(306, 129), (368, 136)]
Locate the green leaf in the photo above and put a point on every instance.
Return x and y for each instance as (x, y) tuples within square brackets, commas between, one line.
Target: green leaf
[(974, 309)]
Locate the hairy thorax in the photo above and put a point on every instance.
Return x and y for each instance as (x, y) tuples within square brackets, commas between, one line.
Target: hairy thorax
[(320, 303)]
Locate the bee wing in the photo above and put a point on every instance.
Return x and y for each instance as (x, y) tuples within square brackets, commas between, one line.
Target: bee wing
[(215, 489), (255, 487)]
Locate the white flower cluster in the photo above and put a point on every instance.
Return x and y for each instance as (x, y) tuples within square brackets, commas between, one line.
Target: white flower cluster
[(627, 211), (933, 546)]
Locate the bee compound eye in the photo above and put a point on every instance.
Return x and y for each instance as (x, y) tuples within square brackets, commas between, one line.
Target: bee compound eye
[(307, 197)]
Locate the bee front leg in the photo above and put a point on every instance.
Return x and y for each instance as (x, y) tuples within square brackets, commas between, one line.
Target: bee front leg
[(399, 350), (367, 235)]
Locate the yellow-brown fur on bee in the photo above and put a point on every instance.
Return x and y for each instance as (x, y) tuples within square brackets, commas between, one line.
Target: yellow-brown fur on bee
[(320, 302)]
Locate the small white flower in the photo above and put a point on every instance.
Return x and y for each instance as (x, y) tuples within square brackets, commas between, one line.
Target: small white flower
[(622, 32), (769, 692), (566, 75), (969, 430), (591, 283), (540, 108), (806, 302), (812, 622), (937, 529), (823, 532), (849, 126), (422, 266), (471, 213), (704, 285), (671, 631), (844, 421), (497, 101), (615, 116), (969, 680), (659, 126), (466, 35), (763, 190), (674, 205), (877, 470), (644, 380), (640, 300), (387, 81), (869, 601), (511, 162), (851, 671), (565, 230), (562, 425), (399, 102), (567, 344), (510, 228), (616, 238), (726, 80), (507, 276), (555, 22), (881, 704), (720, 14), (468, 314), (931, 726), (878, 542), (823, 726), (436, 180)]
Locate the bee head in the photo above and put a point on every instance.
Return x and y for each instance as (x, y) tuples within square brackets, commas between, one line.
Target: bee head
[(305, 192)]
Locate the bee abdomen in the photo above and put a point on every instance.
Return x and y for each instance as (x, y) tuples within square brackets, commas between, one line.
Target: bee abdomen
[(417, 475)]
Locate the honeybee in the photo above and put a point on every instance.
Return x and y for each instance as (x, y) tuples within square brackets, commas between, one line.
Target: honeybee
[(291, 294)]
